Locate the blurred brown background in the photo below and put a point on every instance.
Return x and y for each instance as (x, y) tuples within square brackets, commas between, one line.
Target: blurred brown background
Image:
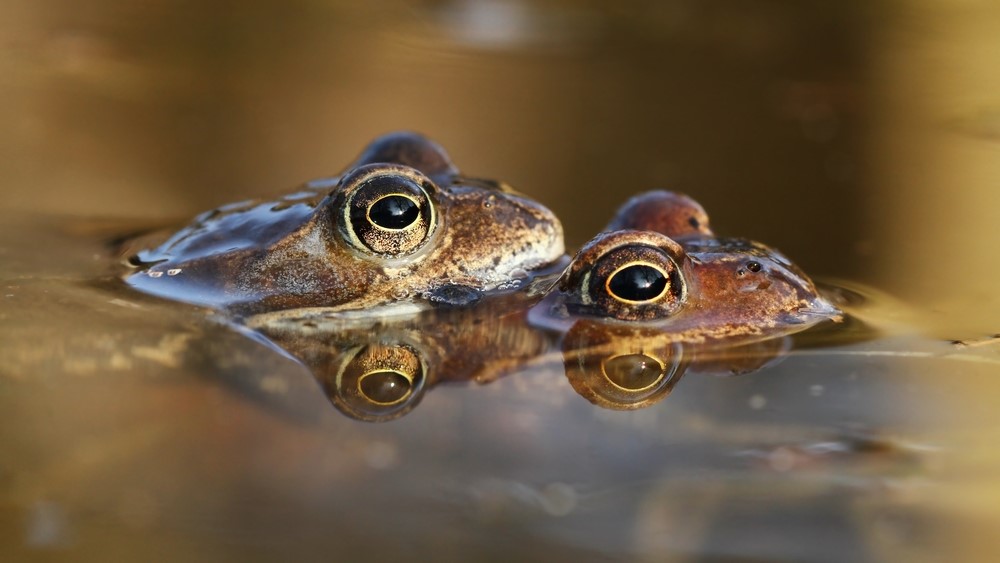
[(858, 137)]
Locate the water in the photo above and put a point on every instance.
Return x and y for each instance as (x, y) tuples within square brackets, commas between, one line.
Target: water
[(856, 137)]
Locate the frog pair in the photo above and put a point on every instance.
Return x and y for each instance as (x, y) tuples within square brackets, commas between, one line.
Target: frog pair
[(402, 230)]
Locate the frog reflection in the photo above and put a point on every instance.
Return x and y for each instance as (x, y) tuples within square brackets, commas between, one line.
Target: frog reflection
[(380, 371), (400, 229), (377, 372), (622, 367)]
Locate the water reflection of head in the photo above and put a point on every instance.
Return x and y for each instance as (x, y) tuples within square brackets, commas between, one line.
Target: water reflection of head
[(619, 367), (377, 382), (379, 370)]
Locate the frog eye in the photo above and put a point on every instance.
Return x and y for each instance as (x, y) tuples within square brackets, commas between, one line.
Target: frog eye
[(628, 275), (378, 381), (636, 282), (386, 209)]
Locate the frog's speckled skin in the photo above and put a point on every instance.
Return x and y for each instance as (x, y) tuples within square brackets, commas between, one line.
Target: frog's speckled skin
[(301, 250)]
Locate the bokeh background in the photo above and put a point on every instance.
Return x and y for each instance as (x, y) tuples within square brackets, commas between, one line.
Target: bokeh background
[(859, 137), (862, 138)]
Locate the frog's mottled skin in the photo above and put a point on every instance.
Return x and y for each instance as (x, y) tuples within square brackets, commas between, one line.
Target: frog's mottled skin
[(319, 247)]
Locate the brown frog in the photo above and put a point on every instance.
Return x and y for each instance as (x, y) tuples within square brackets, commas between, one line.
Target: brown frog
[(666, 269), (399, 229), (658, 294)]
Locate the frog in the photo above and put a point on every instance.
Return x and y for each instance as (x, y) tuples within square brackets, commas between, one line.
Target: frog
[(659, 264), (658, 294), (399, 230)]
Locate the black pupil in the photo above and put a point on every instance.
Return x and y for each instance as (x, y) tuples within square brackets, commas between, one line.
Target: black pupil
[(394, 212), (637, 283)]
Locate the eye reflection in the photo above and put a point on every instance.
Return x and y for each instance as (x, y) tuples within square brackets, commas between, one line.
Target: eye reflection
[(621, 368), (377, 382), (385, 387), (632, 372)]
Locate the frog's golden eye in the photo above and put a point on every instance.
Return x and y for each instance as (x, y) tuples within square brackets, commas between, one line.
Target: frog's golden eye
[(386, 209), (627, 275), (635, 282), (378, 381)]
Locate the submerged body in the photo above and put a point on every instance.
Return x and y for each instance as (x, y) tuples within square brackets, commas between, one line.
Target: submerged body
[(399, 230)]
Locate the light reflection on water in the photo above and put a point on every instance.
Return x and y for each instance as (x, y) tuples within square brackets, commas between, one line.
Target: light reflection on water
[(132, 426)]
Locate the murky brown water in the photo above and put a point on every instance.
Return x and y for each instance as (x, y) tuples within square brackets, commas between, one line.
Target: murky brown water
[(860, 138)]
